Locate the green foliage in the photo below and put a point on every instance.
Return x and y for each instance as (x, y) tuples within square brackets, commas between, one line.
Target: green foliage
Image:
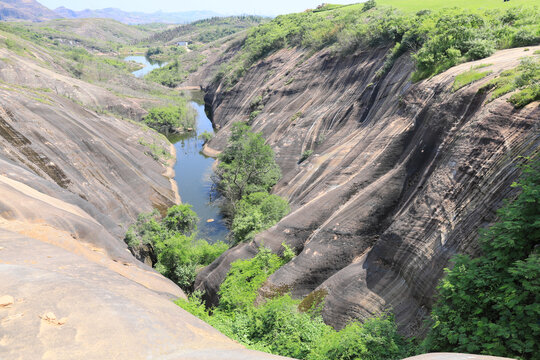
[(181, 218), (296, 116), (207, 30), (437, 39), (179, 256), (177, 251), (146, 231), (375, 339), (156, 151), (154, 51), (245, 277), (305, 155), (491, 304), (195, 305), (247, 165), (468, 77), (278, 326), (177, 70), (368, 5), (257, 212), (206, 136), (171, 118), (525, 78)]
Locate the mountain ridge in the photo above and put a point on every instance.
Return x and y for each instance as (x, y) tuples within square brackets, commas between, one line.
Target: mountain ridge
[(25, 10)]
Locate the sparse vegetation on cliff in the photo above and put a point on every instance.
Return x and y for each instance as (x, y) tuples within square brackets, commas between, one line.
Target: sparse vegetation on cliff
[(525, 78)]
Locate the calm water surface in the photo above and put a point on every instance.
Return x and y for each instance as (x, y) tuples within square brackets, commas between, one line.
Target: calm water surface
[(149, 64), (193, 169)]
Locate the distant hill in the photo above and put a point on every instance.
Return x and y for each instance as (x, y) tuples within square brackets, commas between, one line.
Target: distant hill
[(136, 17), (25, 10), (207, 30)]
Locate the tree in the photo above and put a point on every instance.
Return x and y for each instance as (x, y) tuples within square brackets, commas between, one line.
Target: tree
[(181, 218), (246, 165)]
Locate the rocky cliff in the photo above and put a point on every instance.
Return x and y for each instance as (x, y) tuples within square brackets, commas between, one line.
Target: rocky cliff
[(401, 177), (73, 176)]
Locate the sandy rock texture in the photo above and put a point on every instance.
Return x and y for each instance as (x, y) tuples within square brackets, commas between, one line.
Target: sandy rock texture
[(401, 177), (68, 307)]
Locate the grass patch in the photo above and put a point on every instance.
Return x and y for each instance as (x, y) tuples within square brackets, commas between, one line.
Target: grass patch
[(525, 78), (467, 78)]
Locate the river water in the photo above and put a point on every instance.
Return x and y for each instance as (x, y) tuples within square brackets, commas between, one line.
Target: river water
[(148, 63), (193, 169)]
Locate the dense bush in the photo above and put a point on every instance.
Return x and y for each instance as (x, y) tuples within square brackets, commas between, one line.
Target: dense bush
[(178, 253), (257, 212), (375, 339), (491, 304), (278, 326), (171, 118)]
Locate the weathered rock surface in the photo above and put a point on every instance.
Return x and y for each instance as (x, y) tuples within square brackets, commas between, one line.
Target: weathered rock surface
[(71, 181), (401, 178), (67, 307)]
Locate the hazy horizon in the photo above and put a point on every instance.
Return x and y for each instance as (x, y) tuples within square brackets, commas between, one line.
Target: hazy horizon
[(227, 8)]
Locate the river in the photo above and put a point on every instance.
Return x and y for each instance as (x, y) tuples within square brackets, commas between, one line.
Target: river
[(148, 63), (193, 169)]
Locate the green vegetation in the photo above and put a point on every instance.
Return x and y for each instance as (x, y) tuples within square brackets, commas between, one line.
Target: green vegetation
[(305, 155), (255, 107), (525, 78), (246, 166), (165, 53), (278, 326), (177, 253), (491, 304), (157, 152), (245, 174), (176, 71), (296, 116), (206, 136), (207, 30), (438, 39), (168, 119), (256, 212), (473, 5), (468, 77)]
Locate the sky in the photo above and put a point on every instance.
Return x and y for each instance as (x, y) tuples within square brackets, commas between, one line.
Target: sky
[(229, 7)]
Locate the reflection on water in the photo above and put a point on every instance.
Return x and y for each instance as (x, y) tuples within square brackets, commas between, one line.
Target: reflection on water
[(148, 63), (193, 175)]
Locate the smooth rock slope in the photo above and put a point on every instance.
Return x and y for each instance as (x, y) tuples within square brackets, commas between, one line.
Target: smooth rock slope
[(72, 178), (401, 177)]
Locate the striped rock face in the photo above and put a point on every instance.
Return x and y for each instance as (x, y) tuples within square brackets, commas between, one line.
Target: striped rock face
[(401, 176)]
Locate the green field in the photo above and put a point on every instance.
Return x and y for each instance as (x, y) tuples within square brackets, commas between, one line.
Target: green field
[(417, 5)]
